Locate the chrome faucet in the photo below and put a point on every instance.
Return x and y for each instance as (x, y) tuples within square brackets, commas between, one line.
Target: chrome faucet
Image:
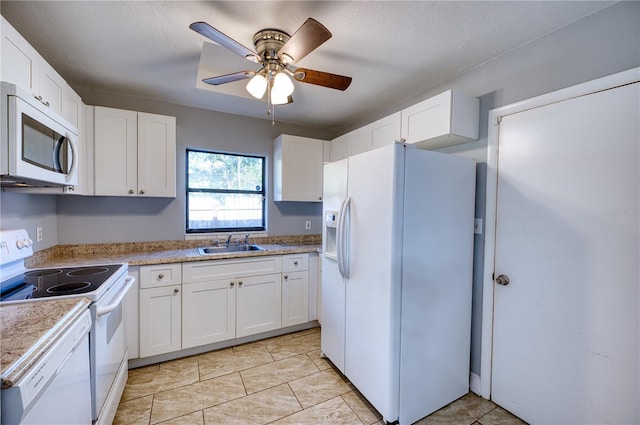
[(246, 239), (229, 240)]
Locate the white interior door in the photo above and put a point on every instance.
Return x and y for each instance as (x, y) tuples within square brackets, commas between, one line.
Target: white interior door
[(566, 327)]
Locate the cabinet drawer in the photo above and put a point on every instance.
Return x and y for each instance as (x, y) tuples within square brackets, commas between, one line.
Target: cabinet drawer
[(212, 270), (295, 262), (160, 275)]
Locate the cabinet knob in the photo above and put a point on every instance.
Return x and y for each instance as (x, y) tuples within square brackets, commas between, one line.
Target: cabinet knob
[(286, 277), (142, 192), (319, 198), (131, 192), (160, 276), (231, 284), (240, 283), (503, 280), (176, 290), (295, 263)]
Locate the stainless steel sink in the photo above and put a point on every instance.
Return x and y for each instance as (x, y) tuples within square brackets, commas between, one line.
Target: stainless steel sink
[(208, 250)]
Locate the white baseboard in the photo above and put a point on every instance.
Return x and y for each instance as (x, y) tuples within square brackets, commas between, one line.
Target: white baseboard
[(474, 383)]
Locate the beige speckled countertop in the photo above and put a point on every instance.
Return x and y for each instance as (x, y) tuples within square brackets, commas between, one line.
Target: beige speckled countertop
[(162, 252), (27, 331)]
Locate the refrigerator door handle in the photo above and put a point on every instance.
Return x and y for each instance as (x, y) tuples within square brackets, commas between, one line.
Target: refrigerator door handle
[(339, 238), (343, 241)]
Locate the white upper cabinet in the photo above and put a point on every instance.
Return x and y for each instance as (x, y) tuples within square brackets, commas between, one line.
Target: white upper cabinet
[(447, 119), (298, 165), (135, 153), (380, 133), (23, 66)]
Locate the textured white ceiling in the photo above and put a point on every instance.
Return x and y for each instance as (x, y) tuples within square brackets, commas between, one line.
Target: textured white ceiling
[(393, 50)]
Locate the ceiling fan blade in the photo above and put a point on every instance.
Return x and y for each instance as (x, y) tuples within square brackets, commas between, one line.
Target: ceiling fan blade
[(228, 78), (324, 79), (306, 39), (224, 40)]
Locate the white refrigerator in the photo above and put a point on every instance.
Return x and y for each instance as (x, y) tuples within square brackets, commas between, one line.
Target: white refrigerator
[(396, 276)]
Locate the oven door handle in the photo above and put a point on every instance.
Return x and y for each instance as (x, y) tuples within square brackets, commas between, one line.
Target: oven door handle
[(101, 311)]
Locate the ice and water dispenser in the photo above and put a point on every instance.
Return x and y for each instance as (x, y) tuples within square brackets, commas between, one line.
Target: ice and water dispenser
[(331, 227)]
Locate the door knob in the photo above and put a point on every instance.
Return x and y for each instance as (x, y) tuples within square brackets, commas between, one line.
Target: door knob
[(503, 280)]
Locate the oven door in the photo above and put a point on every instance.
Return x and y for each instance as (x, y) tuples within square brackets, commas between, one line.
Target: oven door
[(107, 342)]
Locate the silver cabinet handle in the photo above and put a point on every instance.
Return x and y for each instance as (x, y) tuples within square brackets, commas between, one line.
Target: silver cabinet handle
[(176, 290)]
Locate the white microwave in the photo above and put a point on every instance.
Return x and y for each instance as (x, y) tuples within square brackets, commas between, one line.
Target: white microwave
[(38, 147)]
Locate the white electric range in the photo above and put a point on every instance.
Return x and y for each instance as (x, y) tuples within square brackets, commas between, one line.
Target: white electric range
[(105, 285)]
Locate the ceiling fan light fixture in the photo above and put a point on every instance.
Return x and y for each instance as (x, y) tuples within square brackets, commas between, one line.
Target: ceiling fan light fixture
[(257, 85), (278, 100), (282, 86)]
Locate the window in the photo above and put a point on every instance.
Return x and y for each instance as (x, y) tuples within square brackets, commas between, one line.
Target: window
[(225, 192)]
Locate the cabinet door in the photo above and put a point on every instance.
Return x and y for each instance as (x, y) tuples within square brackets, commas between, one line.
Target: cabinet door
[(51, 88), (160, 320), (298, 163), (116, 138), (340, 148), (385, 131), (295, 298), (359, 141), (258, 304), (156, 155), (208, 313), (20, 61), (447, 119)]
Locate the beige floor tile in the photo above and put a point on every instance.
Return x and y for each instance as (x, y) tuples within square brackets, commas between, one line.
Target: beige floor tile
[(262, 342), (319, 387), (144, 369), (180, 401), (362, 408), (499, 416), (300, 345), (276, 373), (255, 409), (333, 412), (464, 411), (228, 361), (195, 418), (320, 362), (306, 332), (139, 385), (134, 412)]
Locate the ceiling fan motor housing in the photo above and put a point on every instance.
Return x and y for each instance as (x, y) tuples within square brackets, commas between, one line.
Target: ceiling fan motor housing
[(268, 42)]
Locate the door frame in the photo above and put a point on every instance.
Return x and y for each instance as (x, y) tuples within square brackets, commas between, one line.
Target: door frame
[(495, 116)]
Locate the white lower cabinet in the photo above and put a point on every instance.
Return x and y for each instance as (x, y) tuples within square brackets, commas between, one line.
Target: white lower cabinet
[(209, 313), (203, 302), (160, 309), (160, 320), (258, 304), (295, 298), (295, 289)]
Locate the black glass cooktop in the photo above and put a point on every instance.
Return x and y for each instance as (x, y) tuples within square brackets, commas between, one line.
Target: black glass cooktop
[(55, 282)]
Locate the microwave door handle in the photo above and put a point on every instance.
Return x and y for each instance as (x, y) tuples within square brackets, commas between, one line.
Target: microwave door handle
[(101, 311), (74, 158)]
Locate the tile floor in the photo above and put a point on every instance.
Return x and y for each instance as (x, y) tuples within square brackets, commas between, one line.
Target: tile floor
[(279, 380)]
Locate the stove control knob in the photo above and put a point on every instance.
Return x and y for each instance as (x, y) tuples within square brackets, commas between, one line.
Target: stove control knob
[(29, 241), (20, 244)]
